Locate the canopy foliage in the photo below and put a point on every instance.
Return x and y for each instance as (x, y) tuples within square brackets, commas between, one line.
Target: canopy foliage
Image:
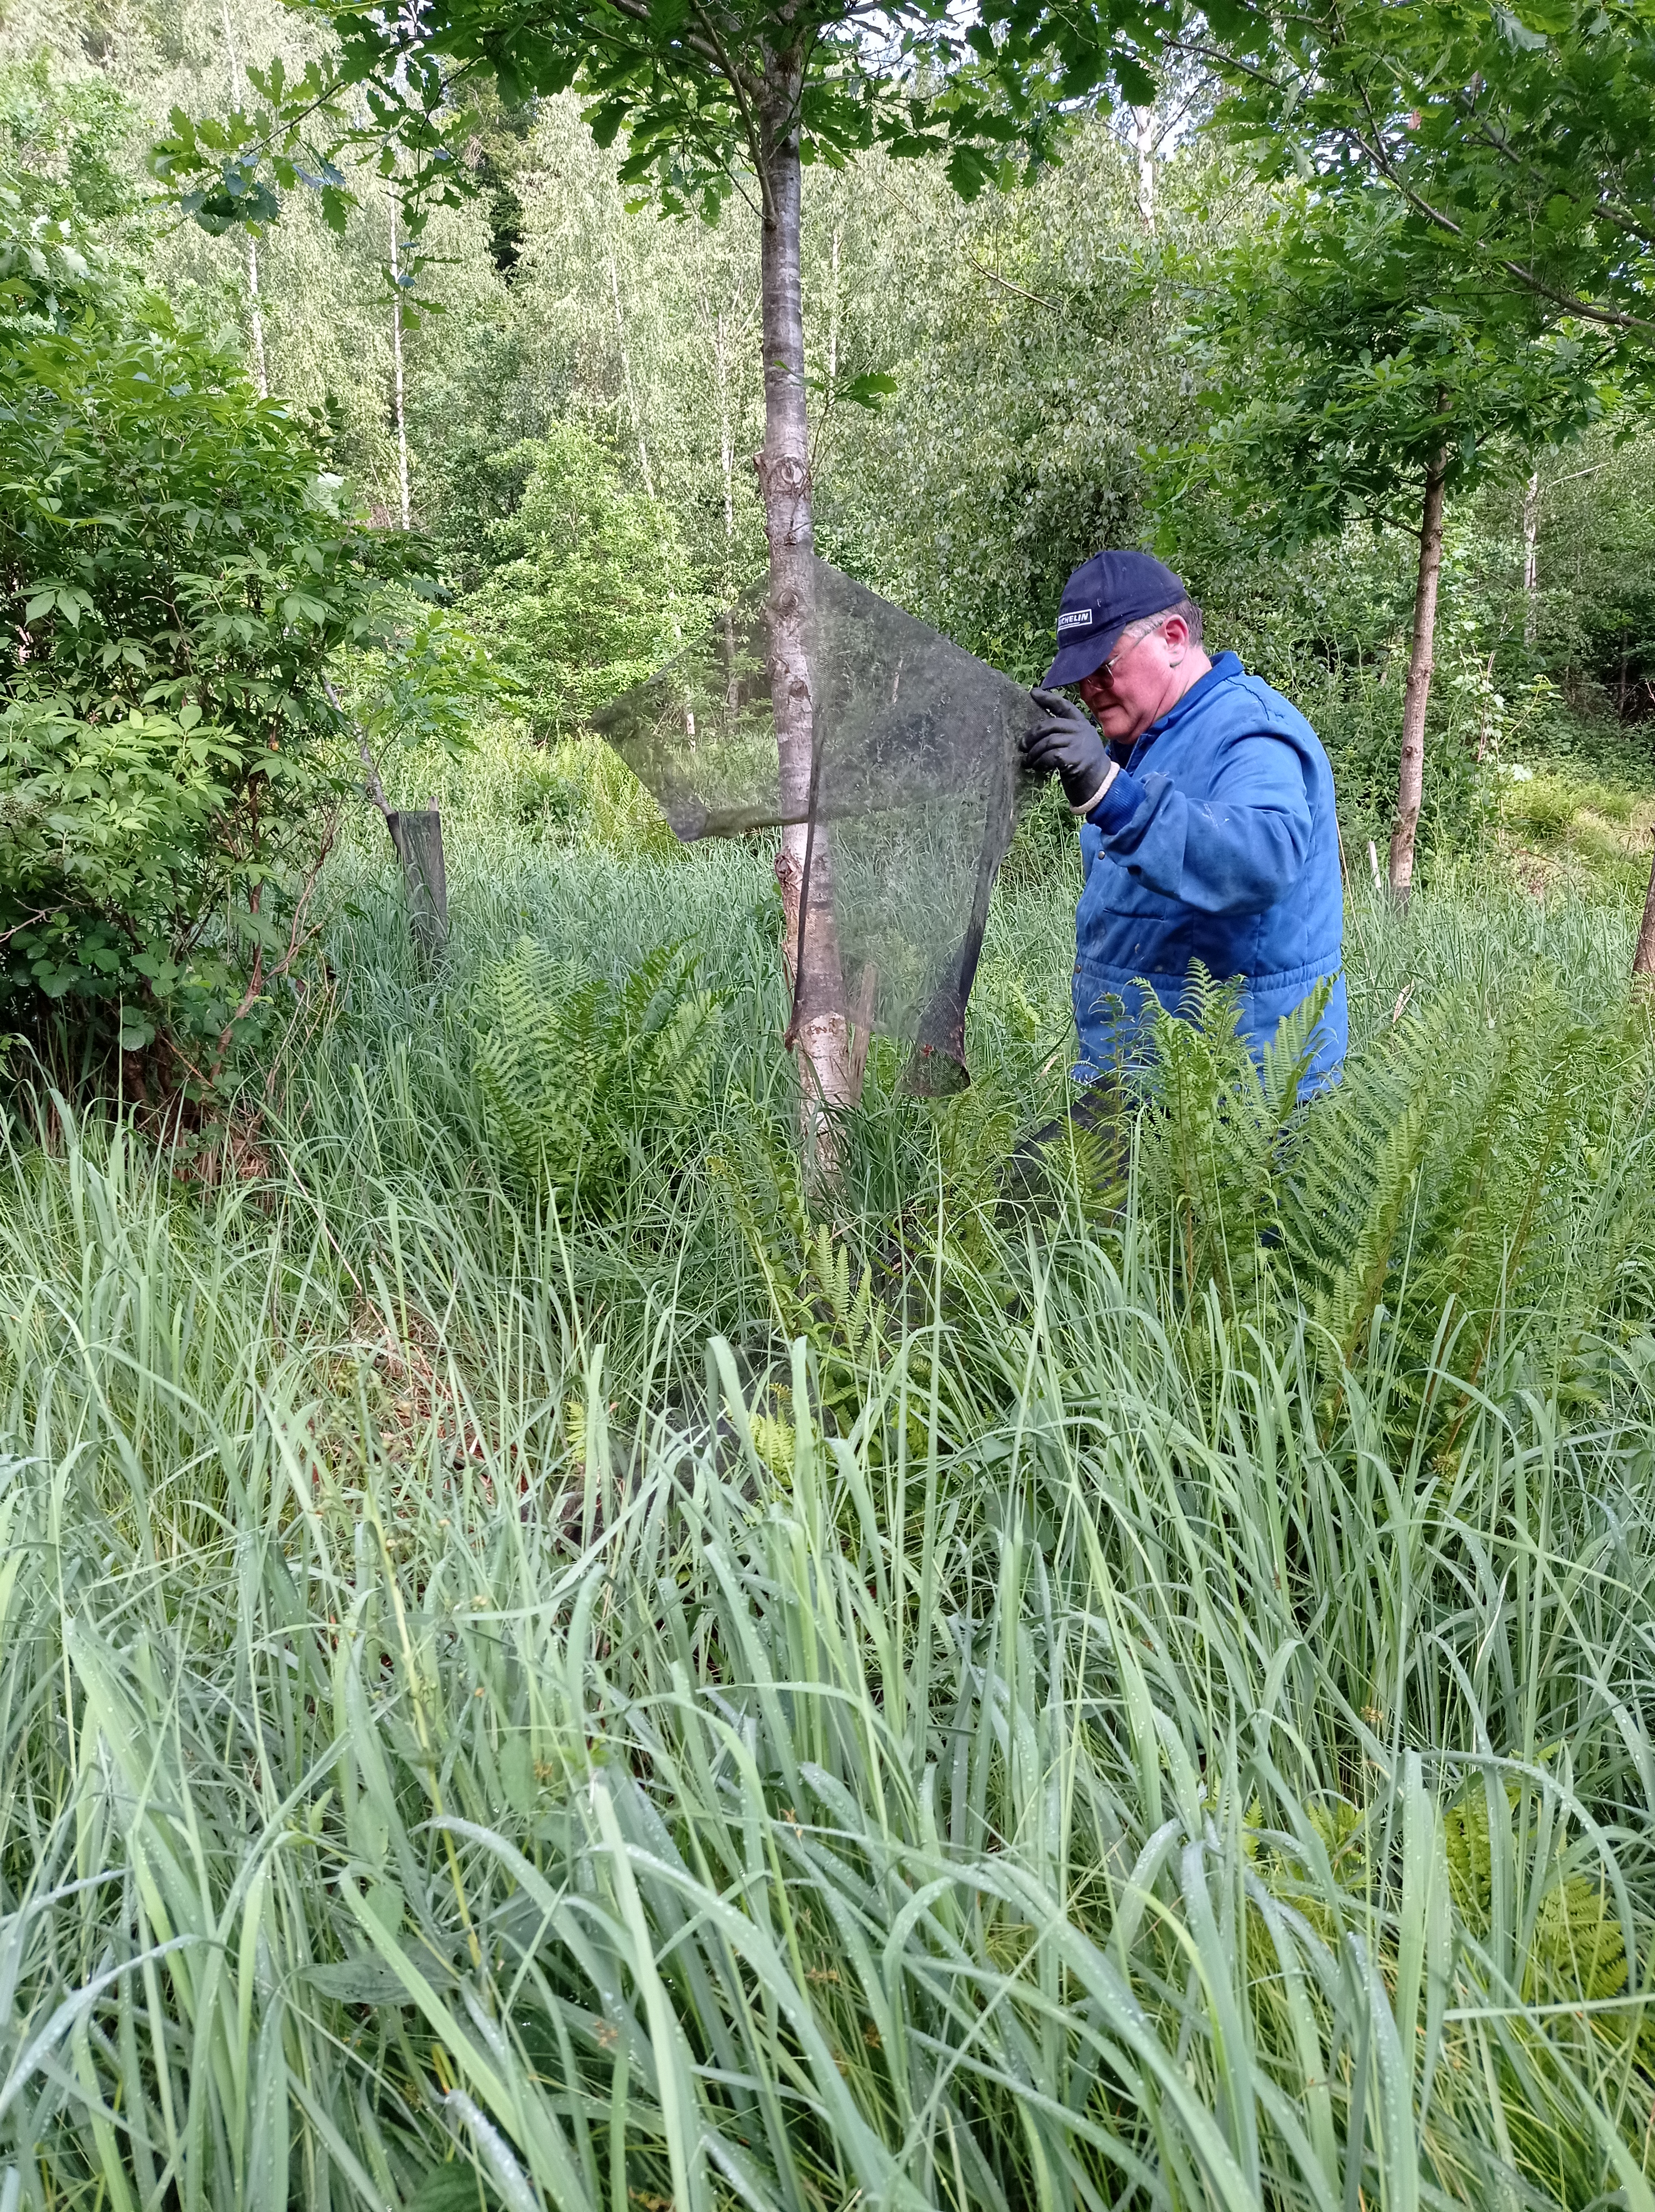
[(1340, 353), (1517, 135)]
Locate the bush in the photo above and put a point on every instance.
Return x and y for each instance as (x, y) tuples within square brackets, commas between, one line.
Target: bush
[(176, 573), (587, 598)]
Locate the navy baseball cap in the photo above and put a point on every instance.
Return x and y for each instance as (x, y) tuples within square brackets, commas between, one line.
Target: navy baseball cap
[(1099, 599)]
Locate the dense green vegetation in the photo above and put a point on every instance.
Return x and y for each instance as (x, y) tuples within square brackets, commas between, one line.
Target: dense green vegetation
[(549, 1657), (943, 1700)]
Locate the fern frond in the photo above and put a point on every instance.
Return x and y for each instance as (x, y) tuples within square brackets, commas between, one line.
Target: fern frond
[(584, 1082)]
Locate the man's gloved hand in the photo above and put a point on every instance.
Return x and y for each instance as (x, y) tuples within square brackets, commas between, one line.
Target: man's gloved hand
[(1067, 744)]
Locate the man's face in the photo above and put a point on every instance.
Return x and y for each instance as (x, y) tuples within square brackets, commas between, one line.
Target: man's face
[(1143, 677)]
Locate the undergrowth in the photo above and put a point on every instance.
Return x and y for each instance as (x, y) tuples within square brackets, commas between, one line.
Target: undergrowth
[(543, 1662)]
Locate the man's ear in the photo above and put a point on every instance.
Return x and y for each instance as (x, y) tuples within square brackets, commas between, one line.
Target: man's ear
[(1175, 630)]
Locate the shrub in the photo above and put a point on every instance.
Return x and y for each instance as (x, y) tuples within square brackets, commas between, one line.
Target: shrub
[(175, 571), (588, 597)]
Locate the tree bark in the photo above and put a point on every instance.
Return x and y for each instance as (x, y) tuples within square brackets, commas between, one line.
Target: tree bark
[(1643, 959), (1410, 782), (804, 866), (833, 317), (1144, 134), (256, 317), (255, 304), (1531, 558), (396, 362), (727, 467), (627, 390)]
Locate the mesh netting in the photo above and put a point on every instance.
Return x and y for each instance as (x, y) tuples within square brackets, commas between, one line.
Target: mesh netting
[(912, 791)]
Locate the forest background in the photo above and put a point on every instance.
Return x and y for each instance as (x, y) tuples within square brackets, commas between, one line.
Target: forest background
[(564, 398)]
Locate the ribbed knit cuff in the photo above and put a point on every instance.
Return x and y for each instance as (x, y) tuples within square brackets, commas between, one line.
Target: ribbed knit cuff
[(1123, 796), (1084, 809)]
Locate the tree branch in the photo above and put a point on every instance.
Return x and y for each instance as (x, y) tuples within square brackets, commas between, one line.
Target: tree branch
[(1501, 144), (638, 11), (1571, 304), (373, 789), (1374, 150), (1022, 292), (735, 78), (1215, 57), (296, 944)]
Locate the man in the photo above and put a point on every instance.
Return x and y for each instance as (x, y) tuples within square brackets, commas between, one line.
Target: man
[(1206, 820)]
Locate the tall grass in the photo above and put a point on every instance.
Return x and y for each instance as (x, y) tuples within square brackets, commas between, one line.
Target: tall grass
[(502, 1708)]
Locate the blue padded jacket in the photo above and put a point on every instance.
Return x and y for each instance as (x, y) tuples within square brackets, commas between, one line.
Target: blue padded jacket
[(1216, 842)]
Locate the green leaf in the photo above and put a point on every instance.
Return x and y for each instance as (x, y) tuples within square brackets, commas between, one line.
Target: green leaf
[(871, 390), (1138, 88)]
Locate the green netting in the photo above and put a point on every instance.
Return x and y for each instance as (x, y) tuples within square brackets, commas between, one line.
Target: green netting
[(911, 798)]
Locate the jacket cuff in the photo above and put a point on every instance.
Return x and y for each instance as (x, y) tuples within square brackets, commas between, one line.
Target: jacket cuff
[(1118, 805)]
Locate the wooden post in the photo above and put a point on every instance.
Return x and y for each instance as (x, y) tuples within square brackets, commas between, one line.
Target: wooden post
[(417, 833)]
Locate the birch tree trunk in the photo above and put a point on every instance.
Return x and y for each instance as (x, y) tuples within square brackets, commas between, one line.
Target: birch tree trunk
[(627, 390), (1531, 558), (255, 304), (1144, 134), (833, 317), (256, 319), (727, 465), (812, 950), (396, 395), (1410, 782)]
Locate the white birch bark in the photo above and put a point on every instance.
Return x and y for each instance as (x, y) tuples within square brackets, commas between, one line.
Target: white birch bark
[(1410, 781), (819, 1029), (1531, 558), (255, 304), (1144, 135), (398, 408), (628, 391)]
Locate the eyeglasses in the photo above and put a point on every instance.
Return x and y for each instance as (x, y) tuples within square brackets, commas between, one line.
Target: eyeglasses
[(1107, 668)]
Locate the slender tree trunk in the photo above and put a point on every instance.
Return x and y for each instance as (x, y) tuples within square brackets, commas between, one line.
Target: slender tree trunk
[(819, 1027), (833, 317), (256, 319), (726, 434), (727, 464), (1643, 959), (255, 305), (1143, 131), (1410, 782), (627, 390), (397, 394), (1531, 558)]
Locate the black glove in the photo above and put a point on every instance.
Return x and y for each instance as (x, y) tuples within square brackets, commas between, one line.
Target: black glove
[(1067, 744)]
